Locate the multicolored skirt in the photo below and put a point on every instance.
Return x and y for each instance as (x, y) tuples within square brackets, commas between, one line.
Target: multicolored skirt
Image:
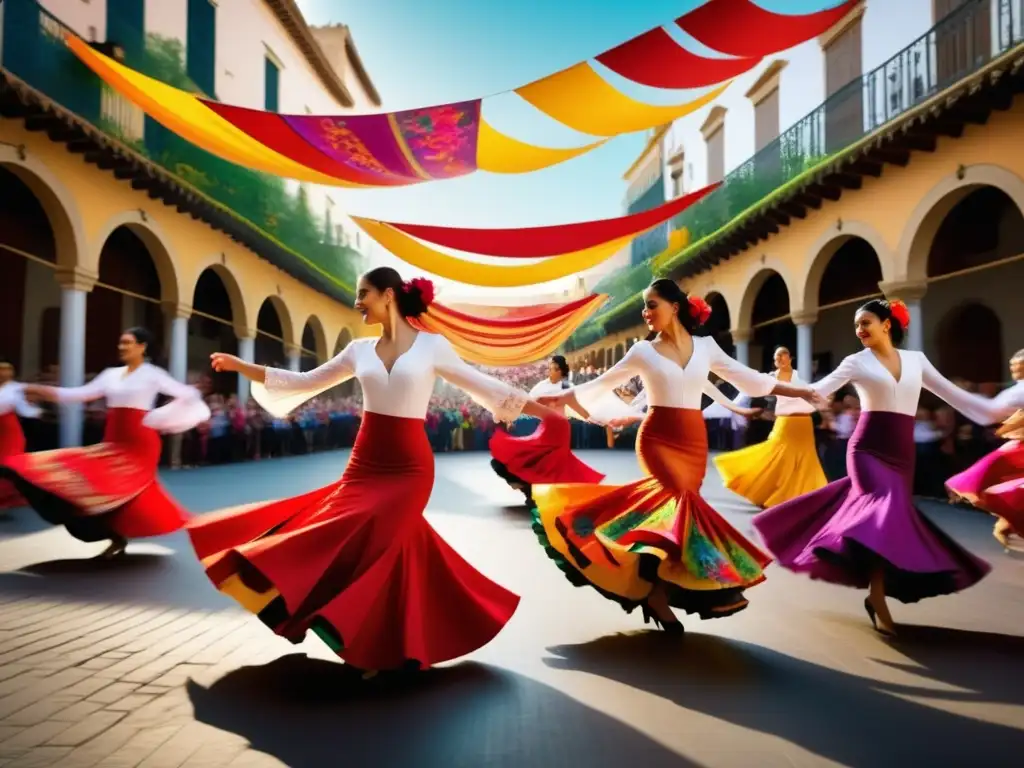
[(12, 443), (101, 491), (781, 468), (622, 540), (845, 531), (995, 484), (542, 457), (356, 562)]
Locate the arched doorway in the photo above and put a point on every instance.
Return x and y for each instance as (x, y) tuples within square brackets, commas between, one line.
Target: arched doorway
[(269, 336), (29, 294), (970, 342), (127, 294), (984, 227), (314, 344), (620, 352), (719, 325), (845, 279), (211, 328), (772, 327)]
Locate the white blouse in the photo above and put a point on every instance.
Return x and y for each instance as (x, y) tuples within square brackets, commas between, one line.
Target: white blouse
[(668, 385), (12, 398), (549, 388), (791, 406), (878, 390), (405, 392), (139, 390)]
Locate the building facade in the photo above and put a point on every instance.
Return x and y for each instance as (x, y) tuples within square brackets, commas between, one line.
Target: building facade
[(905, 182), (108, 221)]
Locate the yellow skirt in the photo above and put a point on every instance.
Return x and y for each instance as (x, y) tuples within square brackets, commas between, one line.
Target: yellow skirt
[(781, 468)]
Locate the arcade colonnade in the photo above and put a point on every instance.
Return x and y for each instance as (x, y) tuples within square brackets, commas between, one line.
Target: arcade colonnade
[(84, 256), (945, 234)]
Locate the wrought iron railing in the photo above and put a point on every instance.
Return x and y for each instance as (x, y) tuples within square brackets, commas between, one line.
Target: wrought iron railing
[(32, 49), (959, 44)]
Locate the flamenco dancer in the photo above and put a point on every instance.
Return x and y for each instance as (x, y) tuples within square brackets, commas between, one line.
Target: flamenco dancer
[(996, 482), (109, 490), (545, 456), (356, 562), (786, 464), (12, 438), (863, 530), (655, 542)]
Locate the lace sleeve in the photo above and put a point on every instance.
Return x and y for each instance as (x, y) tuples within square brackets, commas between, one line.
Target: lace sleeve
[(503, 400), (283, 391)]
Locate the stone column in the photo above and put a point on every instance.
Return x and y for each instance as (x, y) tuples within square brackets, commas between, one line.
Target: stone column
[(804, 322), (295, 360), (177, 360), (911, 294), (741, 338), (246, 351), (75, 285)]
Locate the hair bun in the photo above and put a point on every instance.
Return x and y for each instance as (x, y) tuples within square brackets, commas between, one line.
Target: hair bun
[(700, 310), (900, 313), (423, 286)]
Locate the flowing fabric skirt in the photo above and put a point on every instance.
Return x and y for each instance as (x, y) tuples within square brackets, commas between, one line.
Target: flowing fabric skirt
[(12, 443), (995, 484), (543, 457), (356, 562), (622, 539), (103, 490), (779, 469), (866, 520)]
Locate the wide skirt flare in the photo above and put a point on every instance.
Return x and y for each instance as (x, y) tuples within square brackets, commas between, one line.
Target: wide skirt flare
[(621, 540), (995, 484), (542, 457), (101, 491), (356, 562), (781, 468), (12, 443), (845, 531)]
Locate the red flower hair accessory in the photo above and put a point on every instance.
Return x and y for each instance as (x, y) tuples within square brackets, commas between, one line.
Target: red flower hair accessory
[(700, 310), (424, 286), (900, 313)]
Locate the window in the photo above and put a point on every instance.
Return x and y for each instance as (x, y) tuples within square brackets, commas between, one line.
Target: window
[(271, 85), (201, 44), (126, 26)]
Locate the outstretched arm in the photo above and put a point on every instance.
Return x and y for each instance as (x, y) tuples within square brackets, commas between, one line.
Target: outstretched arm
[(980, 410), (94, 390), (503, 400), (719, 397)]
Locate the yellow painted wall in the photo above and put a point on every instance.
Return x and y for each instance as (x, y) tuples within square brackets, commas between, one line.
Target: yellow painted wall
[(85, 205)]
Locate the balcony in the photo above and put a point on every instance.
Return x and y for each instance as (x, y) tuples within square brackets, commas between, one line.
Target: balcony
[(44, 84), (831, 149)]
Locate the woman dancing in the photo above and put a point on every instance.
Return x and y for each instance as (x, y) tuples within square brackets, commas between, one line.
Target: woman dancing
[(109, 490), (863, 530), (996, 482), (786, 464), (545, 456), (356, 562), (655, 542), (12, 438)]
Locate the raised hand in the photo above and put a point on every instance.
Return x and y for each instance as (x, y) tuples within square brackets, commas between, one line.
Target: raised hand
[(222, 362)]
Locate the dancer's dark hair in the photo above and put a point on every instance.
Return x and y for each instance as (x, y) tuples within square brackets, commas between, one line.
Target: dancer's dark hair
[(882, 309), (563, 366), (670, 291), (142, 336), (408, 296)]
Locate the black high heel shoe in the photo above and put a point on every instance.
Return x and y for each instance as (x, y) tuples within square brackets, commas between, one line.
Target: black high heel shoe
[(874, 622), (668, 627)]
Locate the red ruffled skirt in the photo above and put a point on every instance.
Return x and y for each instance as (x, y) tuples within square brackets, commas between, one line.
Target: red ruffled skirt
[(995, 484), (12, 443), (356, 562), (621, 540), (543, 457), (103, 490)]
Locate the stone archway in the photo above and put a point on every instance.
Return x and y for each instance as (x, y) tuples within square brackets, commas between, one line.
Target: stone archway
[(970, 344), (272, 337), (314, 340), (719, 325), (344, 339), (216, 305), (769, 310)]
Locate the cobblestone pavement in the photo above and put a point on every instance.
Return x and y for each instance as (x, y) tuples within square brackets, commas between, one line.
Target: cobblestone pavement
[(141, 663)]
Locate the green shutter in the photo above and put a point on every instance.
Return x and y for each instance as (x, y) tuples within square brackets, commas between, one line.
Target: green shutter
[(271, 85), (201, 45), (126, 26)]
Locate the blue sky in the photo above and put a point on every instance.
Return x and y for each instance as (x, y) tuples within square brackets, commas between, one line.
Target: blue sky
[(421, 53)]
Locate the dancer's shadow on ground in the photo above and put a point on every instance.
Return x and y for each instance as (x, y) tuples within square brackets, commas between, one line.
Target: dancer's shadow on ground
[(307, 712), (843, 717)]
